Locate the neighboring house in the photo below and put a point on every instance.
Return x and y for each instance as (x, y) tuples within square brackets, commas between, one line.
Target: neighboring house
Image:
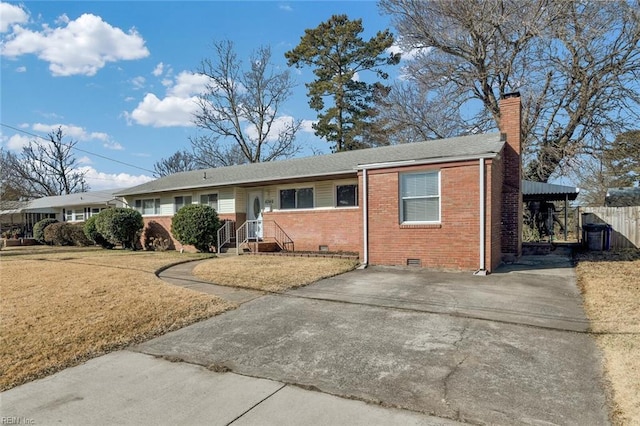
[(70, 208), (451, 203)]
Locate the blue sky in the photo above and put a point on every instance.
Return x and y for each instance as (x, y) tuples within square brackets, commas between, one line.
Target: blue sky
[(118, 76)]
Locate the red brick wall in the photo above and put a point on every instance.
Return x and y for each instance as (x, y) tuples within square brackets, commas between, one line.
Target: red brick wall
[(452, 244), (164, 223), (510, 118), (338, 229)]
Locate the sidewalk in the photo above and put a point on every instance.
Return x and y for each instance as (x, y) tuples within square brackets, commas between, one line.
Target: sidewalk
[(128, 388)]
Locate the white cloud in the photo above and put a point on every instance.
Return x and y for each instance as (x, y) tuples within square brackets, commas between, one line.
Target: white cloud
[(113, 145), (168, 112), (82, 46), (85, 160), (17, 142), (306, 126), (406, 53), (285, 7), (157, 71), (176, 109), (188, 84), (100, 181), (74, 132), (138, 82), (11, 14), (21, 69)]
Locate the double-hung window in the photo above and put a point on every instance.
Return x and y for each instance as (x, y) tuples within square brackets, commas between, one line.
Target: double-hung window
[(210, 200), (148, 206), (420, 197), (180, 202), (296, 198), (346, 195)]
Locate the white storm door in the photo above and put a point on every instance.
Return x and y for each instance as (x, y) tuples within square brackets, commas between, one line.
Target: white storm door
[(254, 212)]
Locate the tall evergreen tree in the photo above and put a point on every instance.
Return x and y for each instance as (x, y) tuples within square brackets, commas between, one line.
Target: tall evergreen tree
[(338, 55)]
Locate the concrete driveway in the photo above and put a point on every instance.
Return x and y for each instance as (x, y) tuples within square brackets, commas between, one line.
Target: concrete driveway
[(509, 348)]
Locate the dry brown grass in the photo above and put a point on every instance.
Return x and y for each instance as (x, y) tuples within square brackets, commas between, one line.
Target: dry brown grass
[(271, 273), (61, 306), (610, 283)]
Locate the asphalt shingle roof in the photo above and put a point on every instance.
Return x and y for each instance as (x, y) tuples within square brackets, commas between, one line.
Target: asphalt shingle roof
[(473, 146), (77, 199)]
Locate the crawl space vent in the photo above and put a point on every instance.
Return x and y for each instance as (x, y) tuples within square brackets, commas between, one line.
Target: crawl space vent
[(413, 262), (323, 248)]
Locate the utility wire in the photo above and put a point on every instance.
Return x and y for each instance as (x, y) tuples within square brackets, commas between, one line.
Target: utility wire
[(77, 149)]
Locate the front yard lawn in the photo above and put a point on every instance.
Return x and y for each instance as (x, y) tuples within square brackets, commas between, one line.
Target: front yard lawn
[(271, 273), (610, 283), (62, 306)]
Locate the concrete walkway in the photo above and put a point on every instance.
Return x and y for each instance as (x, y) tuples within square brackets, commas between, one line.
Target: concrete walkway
[(182, 275), (379, 346)]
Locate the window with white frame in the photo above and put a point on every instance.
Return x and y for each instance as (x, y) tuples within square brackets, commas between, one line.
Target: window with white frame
[(68, 215), (180, 202), (420, 197), (296, 198), (210, 200), (148, 206), (346, 195)]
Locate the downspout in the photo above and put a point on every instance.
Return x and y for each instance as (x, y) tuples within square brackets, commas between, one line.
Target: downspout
[(365, 220), (482, 270)]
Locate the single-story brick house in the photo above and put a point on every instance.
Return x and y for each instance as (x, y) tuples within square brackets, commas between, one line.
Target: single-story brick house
[(451, 203)]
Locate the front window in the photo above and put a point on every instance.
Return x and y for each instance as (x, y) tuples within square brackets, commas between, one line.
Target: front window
[(180, 202), (296, 198), (210, 200), (148, 206), (346, 195), (68, 215), (420, 197)]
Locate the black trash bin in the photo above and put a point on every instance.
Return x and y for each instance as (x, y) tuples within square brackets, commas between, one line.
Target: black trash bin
[(596, 236)]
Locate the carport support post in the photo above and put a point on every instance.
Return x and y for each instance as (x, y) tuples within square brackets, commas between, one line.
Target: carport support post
[(566, 214)]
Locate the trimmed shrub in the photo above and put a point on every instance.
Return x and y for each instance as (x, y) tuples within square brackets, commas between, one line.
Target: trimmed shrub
[(76, 232), (91, 232), (65, 234), (196, 224), (120, 226), (39, 227)]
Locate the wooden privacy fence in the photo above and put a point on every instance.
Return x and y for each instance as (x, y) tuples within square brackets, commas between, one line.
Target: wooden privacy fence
[(624, 221)]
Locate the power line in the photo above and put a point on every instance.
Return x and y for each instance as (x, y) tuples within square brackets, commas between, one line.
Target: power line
[(77, 149)]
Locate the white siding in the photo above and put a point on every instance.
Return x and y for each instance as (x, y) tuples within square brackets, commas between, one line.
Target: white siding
[(166, 206), (241, 200), (226, 201), (323, 194)]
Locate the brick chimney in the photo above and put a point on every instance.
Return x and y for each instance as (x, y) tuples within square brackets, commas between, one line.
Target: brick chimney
[(510, 127)]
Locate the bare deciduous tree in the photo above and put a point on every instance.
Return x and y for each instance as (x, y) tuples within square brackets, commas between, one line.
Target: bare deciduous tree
[(576, 64), (44, 168), (239, 110), (180, 161)]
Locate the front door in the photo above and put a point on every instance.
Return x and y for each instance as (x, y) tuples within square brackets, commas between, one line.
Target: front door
[(254, 212)]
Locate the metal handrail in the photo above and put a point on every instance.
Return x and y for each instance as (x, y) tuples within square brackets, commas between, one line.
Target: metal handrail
[(270, 230), (226, 232), (281, 237)]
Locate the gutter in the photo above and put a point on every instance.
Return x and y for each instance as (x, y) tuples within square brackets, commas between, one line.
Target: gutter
[(439, 160), (365, 221), (482, 270)]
